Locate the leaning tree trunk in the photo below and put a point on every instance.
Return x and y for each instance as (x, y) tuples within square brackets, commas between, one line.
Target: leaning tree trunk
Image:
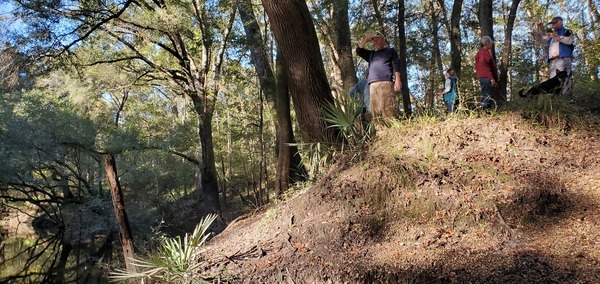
[(258, 52), (277, 98), (110, 167), (118, 200), (296, 37), (506, 50), (403, 65)]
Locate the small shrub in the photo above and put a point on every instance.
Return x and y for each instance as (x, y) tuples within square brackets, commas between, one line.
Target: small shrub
[(346, 115), (549, 111), (316, 156), (177, 260)]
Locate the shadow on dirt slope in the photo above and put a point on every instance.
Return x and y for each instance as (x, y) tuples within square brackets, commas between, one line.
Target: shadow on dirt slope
[(463, 200)]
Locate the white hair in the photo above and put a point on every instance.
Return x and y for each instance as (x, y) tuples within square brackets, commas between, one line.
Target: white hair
[(485, 40)]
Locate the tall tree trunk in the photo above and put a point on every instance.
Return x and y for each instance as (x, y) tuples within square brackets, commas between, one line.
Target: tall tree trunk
[(343, 44), (258, 52), (110, 167), (118, 199), (296, 37), (335, 33), (203, 93), (437, 69), (455, 37), (206, 185), (229, 153), (486, 22), (402, 54), (486, 19), (453, 29), (277, 98), (264, 188), (289, 165), (506, 50)]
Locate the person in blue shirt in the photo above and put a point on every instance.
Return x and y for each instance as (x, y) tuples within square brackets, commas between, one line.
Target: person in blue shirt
[(450, 90), (384, 75), (560, 44), (360, 93)]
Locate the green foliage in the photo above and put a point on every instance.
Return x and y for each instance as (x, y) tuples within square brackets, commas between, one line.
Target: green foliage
[(317, 156), (43, 141), (586, 93), (345, 114), (550, 111), (177, 260)]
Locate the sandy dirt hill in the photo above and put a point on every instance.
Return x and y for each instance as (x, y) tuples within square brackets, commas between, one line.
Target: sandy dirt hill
[(466, 199)]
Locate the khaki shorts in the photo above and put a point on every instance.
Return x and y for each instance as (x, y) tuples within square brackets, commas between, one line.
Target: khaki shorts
[(383, 99)]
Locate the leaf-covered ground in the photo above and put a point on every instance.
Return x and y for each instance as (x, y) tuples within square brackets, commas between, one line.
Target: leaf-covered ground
[(465, 199)]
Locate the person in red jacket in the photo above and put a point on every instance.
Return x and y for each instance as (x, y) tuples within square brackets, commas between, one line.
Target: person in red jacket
[(487, 71)]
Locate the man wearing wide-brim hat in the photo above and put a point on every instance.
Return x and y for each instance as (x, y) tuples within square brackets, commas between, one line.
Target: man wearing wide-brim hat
[(560, 45)]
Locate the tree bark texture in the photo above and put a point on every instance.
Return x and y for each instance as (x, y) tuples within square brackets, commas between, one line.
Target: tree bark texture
[(258, 52), (437, 68), (296, 37), (453, 28), (486, 20), (343, 44), (455, 37), (402, 54), (206, 174), (277, 96), (506, 51), (203, 93), (110, 167), (289, 165)]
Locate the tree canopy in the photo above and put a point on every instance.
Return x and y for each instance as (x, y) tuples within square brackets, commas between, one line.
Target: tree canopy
[(191, 98)]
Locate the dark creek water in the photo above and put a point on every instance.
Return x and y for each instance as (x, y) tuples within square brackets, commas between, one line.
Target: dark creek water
[(51, 259)]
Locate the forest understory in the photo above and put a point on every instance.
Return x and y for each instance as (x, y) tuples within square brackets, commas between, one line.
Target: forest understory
[(500, 198)]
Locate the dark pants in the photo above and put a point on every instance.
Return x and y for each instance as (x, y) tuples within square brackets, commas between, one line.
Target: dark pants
[(450, 106), (487, 90)]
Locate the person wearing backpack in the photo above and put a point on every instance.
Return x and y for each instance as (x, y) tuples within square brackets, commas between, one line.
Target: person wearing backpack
[(450, 91)]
